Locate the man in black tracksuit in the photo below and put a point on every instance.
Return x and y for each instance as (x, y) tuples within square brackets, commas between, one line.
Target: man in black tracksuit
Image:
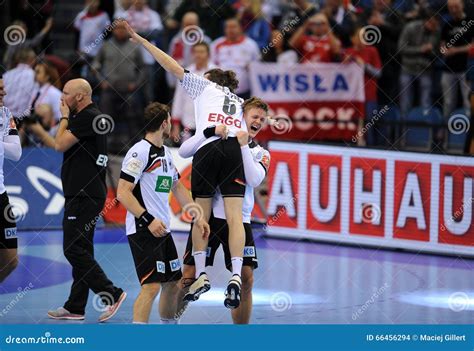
[(82, 137)]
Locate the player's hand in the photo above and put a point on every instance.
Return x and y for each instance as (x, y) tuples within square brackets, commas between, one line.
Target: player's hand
[(222, 131), (133, 35), (242, 137), (64, 109), (157, 228), (12, 123), (203, 227)]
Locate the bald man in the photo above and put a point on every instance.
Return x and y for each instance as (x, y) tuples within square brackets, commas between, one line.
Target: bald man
[(82, 136)]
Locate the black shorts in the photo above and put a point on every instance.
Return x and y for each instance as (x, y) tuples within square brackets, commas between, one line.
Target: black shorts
[(218, 164), (220, 236), (8, 237), (156, 259)]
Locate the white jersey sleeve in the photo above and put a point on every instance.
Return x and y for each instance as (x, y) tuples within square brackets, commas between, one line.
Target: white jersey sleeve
[(194, 84), (134, 162)]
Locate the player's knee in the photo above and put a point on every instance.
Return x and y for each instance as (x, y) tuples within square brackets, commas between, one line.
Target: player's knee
[(151, 290)]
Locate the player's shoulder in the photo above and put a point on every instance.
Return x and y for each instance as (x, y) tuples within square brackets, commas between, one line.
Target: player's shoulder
[(258, 151), (140, 149)]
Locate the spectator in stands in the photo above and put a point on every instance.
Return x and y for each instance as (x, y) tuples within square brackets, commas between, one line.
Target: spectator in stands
[(295, 15), (182, 112), (389, 24), (42, 131), (253, 22), (49, 86), (235, 51), (278, 50), (456, 40), (121, 8), (119, 66), (212, 13), (418, 46), (147, 23), (341, 19), (91, 24), (181, 45), (315, 42), (369, 59), (20, 84), (32, 43)]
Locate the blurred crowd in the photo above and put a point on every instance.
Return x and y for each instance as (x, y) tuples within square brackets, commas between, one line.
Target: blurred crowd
[(413, 52)]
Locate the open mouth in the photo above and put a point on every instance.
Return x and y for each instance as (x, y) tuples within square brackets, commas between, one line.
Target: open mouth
[(255, 127)]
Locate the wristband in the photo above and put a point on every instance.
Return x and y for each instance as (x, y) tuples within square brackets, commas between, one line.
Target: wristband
[(209, 132), (145, 220), (66, 118)]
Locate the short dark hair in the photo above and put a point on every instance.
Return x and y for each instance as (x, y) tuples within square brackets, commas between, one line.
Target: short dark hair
[(203, 43), (254, 102), (155, 115), (223, 78)]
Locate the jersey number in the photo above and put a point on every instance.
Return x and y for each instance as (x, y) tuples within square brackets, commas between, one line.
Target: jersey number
[(229, 108)]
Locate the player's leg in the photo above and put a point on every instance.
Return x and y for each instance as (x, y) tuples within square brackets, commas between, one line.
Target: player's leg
[(241, 315), (233, 213), (188, 277), (144, 302), (8, 262), (168, 303)]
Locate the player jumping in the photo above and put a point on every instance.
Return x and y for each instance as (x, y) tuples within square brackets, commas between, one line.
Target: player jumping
[(217, 163)]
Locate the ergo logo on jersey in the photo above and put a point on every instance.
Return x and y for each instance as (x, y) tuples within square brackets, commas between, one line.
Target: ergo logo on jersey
[(227, 120)]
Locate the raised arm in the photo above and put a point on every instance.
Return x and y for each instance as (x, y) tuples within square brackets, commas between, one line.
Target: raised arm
[(165, 61)]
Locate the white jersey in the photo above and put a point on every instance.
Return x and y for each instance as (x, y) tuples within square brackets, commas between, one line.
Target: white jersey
[(5, 116), (236, 56), (213, 105), (260, 156), (153, 171)]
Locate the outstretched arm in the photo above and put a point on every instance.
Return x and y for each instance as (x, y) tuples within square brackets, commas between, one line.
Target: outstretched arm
[(165, 61)]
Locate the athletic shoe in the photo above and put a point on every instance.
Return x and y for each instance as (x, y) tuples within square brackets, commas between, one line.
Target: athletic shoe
[(112, 309), (64, 314), (200, 286), (232, 293)]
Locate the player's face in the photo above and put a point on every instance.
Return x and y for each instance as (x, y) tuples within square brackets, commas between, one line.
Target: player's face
[(167, 128), (254, 118), (2, 92)]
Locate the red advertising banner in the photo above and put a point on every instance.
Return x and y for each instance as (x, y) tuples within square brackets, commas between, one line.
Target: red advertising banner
[(322, 101), (372, 197)]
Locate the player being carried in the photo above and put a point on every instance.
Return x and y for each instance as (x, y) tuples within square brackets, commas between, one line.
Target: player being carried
[(217, 163), (256, 163)]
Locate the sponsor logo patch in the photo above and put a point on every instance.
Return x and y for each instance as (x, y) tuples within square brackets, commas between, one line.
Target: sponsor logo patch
[(163, 184), (160, 267), (10, 233), (175, 265), (249, 251), (134, 165)]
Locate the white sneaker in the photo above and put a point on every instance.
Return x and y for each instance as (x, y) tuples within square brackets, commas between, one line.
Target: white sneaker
[(232, 293), (63, 314), (200, 286)]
